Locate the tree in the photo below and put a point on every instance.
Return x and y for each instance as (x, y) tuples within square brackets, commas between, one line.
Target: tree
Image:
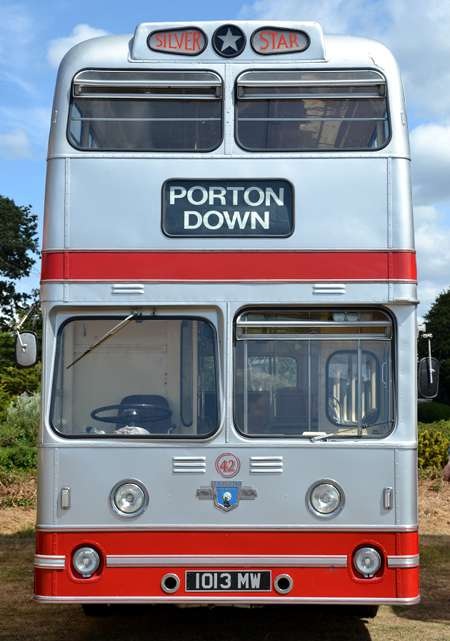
[(438, 324), (18, 244)]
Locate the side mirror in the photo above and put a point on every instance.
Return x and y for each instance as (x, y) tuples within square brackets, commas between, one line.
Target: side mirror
[(428, 377), (26, 349)]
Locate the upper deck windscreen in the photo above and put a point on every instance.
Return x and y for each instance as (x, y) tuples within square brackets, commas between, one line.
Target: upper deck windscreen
[(276, 110)]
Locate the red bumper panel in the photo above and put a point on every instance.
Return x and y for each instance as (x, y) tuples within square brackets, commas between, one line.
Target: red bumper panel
[(319, 563)]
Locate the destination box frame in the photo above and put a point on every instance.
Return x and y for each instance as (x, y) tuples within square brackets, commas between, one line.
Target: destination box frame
[(202, 181)]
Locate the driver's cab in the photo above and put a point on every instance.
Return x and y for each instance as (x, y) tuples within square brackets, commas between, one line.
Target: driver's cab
[(136, 376)]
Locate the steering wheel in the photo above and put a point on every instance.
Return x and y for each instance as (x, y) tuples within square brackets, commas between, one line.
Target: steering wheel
[(137, 412)]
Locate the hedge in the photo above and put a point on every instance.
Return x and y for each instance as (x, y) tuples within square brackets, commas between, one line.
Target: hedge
[(432, 412)]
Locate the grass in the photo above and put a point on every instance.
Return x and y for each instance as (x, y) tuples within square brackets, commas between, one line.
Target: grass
[(17, 488), (24, 620)]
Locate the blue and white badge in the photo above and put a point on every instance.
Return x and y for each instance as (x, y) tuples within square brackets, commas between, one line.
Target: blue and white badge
[(226, 494)]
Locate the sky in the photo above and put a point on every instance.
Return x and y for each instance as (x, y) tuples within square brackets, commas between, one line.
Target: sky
[(35, 34)]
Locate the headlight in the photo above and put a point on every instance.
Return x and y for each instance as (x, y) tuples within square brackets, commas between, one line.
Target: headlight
[(86, 561), (367, 561), (129, 498), (326, 498)]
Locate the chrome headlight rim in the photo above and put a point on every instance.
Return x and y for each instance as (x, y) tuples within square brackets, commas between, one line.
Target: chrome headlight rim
[(129, 515), (79, 573), (361, 549), (323, 515)]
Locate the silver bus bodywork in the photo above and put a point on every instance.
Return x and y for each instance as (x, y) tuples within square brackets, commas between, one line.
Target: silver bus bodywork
[(355, 201)]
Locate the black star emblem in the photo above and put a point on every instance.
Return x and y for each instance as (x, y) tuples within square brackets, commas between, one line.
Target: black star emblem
[(229, 41)]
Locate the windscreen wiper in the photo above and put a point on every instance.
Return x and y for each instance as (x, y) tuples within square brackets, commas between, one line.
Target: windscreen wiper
[(322, 437), (105, 337)]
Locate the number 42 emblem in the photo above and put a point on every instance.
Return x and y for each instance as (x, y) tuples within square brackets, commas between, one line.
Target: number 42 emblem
[(228, 465)]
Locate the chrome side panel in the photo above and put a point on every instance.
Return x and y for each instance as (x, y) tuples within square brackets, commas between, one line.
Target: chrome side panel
[(106, 294), (401, 225), (91, 472), (105, 195), (406, 486)]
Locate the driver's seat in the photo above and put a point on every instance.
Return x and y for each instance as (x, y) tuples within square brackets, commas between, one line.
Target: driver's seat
[(140, 416)]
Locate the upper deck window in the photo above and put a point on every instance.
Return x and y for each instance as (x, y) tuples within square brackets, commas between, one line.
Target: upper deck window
[(312, 111), (146, 111)]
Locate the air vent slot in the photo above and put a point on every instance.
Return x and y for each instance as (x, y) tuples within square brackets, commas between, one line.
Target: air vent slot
[(188, 464), (266, 464), (127, 288), (329, 288)]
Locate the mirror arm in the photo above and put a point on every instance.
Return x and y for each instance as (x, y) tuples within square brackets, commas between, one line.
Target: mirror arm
[(21, 322), (430, 365), (19, 338)]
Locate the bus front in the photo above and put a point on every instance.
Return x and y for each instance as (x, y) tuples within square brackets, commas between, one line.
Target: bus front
[(229, 293)]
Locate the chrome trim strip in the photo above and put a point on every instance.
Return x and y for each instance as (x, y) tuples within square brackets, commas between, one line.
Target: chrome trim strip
[(226, 599), (403, 561), (187, 527), (49, 561), (150, 560)]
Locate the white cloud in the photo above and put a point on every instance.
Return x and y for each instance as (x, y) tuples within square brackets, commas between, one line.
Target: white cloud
[(15, 144), (433, 253), (60, 46), (335, 16), (430, 147)]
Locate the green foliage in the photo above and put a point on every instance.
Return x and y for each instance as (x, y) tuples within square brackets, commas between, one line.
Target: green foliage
[(18, 433), (18, 244), (18, 457), (16, 380), (434, 441), (434, 411), (438, 323), (4, 402)]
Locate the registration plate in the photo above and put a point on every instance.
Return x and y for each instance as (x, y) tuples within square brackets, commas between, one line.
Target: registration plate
[(236, 581)]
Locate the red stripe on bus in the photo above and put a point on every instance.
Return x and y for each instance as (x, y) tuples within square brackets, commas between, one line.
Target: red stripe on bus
[(229, 265)]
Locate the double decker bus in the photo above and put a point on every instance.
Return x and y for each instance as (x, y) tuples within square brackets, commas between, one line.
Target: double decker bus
[(229, 300)]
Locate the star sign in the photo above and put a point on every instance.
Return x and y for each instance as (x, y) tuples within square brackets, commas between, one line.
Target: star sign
[(228, 40)]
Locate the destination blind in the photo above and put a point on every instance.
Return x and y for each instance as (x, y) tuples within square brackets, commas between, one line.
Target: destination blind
[(227, 208)]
